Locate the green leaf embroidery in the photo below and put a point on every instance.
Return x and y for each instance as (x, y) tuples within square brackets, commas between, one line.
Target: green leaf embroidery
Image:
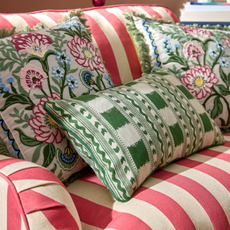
[(176, 59), (217, 108), (26, 140), (16, 99), (223, 90), (49, 154), (3, 148), (224, 77), (37, 152)]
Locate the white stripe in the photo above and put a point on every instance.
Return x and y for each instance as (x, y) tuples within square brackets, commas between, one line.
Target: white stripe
[(139, 10), (163, 14), (227, 138), (3, 157), (89, 227), (195, 211), (221, 164), (100, 195), (119, 14), (221, 149), (38, 221), (116, 45), (45, 19), (25, 184), (212, 185), (61, 196), (3, 203), (17, 166), (16, 21), (23, 226)]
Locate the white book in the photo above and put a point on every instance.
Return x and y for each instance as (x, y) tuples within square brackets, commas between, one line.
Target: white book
[(201, 16)]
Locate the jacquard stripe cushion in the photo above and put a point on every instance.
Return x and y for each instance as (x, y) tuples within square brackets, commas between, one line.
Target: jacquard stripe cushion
[(127, 132), (192, 193), (107, 25), (34, 198)]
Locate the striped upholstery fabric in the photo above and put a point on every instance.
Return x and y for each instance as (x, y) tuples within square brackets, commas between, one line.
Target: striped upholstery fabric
[(33, 198), (107, 25), (193, 193)]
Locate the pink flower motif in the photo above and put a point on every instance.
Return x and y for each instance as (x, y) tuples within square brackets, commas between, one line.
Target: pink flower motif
[(44, 128), (201, 34), (227, 40), (191, 49), (199, 80), (85, 53), (31, 43), (31, 77)]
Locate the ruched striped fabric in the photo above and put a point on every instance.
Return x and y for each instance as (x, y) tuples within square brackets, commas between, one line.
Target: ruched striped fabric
[(33, 198), (107, 25), (192, 193)]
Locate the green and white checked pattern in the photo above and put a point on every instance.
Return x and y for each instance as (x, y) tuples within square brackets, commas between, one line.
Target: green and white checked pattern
[(127, 132)]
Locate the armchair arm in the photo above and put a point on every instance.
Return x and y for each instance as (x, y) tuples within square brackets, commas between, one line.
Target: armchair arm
[(32, 197)]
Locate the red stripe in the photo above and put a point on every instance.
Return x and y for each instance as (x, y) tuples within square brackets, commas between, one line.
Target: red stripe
[(227, 143), (126, 41), (105, 50), (54, 16), (201, 194), (14, 207), (103, 217), (212, 171), (92, 178), (171, 209), (56, 213), (4, 23), (13, 210), (215, 154)]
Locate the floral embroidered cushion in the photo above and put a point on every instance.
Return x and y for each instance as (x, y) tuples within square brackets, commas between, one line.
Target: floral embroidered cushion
[(127, 132), (49, 64), (198, 57)]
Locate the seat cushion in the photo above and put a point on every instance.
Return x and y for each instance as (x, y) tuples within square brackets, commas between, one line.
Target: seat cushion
[(192, 193)]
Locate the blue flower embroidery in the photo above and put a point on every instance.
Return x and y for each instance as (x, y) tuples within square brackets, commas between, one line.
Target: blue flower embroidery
[(7, 89), (10, 80), (58, 72), (220, 45), (167, 46), (213, 52), (62, 57), (223, 62), (71, 82)]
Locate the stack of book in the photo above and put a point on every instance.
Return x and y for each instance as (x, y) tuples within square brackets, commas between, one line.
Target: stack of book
[(211, 13)]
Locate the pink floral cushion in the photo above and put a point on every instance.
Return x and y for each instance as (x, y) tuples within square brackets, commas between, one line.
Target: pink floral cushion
[(50, 64), (198, 57)]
